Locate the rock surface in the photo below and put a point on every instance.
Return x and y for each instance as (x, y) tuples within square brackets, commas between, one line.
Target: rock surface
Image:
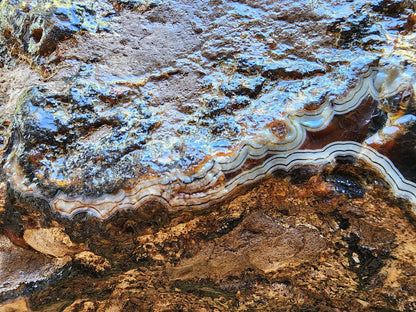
[(91, 261), (179, 97), (50, 241), (22, 269), (19, 305), (171, 155)]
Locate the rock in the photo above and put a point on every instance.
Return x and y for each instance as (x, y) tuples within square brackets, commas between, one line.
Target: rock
[(51, 241), (81, 305), (37, 268), (171, 244), (18, 305), (282, 243), (37, 28), (2, 197), (113, 128), (93, 262), (257, 243), (208, 155)]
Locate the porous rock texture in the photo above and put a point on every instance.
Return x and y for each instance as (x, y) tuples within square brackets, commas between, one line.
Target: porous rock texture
[(91, 92)]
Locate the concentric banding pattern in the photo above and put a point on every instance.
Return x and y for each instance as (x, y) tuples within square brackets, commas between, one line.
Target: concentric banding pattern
[(108, 204), (178, 190)]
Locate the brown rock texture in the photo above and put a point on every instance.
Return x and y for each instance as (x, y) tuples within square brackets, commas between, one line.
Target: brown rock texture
[(19, 305), (170, 155), (285, 244), (50, 241)]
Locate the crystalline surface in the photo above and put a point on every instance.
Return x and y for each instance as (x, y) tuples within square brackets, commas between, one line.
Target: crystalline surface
[(198, 99)]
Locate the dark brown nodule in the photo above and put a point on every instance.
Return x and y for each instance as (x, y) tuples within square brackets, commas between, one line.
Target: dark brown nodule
[(37, 34)]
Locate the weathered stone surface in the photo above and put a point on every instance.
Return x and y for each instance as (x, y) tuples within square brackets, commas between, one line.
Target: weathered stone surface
[(19, 305), (35, 28), (207, 155), (288, 244), (81, 305), (175, 98), (93, 262), (21, 267), (2, 196), (51, 241)]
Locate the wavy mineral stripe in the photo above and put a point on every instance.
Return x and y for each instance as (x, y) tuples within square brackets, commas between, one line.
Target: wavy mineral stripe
[(166, 191), (250, 160), (298, 123), (210, 184), (327, 156)]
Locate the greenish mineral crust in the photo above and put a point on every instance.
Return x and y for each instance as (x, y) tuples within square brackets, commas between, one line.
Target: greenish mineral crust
[(140, 144)]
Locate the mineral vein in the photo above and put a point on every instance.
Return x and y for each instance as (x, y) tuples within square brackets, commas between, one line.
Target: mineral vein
[(274, 146), (165, 192), (177, 190)]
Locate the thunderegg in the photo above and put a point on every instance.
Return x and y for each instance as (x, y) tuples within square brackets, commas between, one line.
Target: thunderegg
[(217, 176)]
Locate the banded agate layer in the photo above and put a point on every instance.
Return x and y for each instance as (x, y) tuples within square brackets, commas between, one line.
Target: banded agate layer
[(212, 110), (185, 170)]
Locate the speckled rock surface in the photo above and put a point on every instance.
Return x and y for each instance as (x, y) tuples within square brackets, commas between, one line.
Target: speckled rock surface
[(182, 155), (286, 244), (19, 305), (21, 268), (131, 104)]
